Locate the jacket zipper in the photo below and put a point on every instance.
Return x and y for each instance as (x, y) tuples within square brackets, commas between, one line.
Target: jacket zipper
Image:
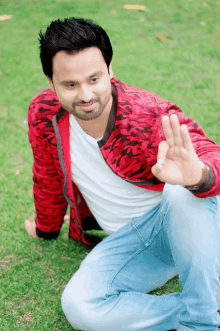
[(60, 155)]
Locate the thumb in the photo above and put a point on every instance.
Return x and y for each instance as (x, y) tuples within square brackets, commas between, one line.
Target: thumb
[(158, 168), (163, 148)]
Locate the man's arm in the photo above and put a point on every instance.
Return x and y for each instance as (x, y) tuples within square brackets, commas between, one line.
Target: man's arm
[(50, 204)]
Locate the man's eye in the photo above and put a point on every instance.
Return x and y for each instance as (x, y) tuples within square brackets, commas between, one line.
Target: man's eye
[(71, 85), (93, 80)]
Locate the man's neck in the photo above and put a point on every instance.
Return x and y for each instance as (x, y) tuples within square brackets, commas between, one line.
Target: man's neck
[(95, 128)]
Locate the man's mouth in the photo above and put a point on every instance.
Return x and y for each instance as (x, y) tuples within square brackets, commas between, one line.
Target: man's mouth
[(87, 105)]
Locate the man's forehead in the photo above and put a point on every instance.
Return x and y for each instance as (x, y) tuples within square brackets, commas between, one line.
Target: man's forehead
[(81, 65), (89, 53)]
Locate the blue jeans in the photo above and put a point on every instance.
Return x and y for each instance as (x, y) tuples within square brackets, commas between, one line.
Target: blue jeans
[(181, 236)]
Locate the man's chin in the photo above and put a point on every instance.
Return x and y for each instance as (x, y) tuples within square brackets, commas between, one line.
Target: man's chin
[(88, 116)]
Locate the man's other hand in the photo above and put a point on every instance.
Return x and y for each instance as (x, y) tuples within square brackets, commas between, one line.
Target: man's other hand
[(30, 227)]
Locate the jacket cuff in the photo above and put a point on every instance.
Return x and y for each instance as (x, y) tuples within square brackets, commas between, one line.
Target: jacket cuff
[(90, 223), (89, 241), (47, 235)]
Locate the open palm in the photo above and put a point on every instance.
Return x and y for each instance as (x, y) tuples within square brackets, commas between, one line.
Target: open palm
[(177, 162)]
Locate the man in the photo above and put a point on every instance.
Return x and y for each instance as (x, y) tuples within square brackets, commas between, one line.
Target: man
[(135, 166)]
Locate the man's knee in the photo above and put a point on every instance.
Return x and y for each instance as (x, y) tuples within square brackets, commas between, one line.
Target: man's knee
[(74, 307), (174, 192), (179, 198), (79, 300)]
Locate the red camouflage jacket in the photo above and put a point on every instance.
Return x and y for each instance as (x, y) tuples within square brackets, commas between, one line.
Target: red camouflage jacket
[(129, 146)]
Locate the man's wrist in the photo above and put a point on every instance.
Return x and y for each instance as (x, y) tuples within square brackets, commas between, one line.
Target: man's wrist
[(205, 174)]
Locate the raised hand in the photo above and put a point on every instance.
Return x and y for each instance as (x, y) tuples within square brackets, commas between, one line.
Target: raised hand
[(177, 162)]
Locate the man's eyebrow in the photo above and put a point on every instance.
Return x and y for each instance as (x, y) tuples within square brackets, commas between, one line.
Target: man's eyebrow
[(64, 82), (97, 73)]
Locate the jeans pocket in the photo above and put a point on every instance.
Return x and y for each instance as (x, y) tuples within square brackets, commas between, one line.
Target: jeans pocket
[(148, 225)]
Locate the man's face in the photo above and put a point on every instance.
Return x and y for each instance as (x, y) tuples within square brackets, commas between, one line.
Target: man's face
[(82, 83)]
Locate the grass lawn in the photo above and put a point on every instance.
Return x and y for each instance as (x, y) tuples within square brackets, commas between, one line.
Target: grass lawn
[(184, 69)]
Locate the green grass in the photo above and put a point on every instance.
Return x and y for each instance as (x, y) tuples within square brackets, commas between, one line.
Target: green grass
[(184, 69)]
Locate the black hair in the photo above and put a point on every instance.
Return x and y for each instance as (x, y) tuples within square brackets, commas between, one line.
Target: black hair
[(72, 35)]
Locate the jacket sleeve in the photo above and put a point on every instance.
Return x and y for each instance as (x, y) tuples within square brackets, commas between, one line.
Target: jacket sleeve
[(206, 149), (50, 204)]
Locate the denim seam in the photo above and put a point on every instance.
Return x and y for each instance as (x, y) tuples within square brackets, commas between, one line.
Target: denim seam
[(156, 233), (164, 297), (166, 225), (138, 232), (122, 266), (150, 241)]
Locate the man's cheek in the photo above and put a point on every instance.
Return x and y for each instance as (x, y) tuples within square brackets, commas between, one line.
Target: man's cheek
[(66, 98)]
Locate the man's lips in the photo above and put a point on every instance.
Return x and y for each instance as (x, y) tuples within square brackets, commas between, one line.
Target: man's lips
[(87, 105)]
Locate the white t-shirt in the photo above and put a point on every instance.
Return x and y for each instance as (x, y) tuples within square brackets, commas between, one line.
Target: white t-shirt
[(113, 201)]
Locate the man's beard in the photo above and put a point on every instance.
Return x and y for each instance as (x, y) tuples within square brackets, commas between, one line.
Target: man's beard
[(87, 115)]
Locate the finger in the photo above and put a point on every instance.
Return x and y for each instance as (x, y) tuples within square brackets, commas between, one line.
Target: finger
[(163, 148), (187, 143), (168, 131), (158, 171), (176, 130)]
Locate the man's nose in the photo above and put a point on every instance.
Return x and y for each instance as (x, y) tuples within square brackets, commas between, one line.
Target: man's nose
[(85, 93)]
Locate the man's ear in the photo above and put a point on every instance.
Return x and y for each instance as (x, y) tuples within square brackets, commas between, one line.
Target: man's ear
[(50, 83), (110, 70)]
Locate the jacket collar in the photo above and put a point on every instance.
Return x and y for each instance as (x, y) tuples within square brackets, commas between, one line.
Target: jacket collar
[(111, 119)]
